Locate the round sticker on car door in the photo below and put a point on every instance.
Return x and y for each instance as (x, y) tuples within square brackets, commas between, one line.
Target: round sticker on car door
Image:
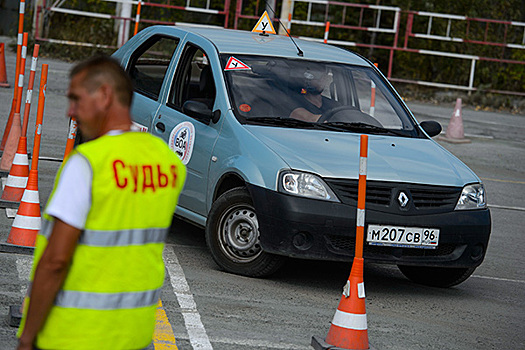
[(181, 141)]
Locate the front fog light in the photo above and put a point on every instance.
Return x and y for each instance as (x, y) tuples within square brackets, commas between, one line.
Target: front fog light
[(472, 197), (306, 185)]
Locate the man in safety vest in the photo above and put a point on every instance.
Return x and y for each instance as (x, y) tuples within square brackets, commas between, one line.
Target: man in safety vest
[(98, 267)]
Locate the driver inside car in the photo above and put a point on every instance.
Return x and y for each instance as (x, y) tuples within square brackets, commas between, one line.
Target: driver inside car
[(311, 104)]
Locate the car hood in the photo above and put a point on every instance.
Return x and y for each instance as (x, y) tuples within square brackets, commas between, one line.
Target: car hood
[(336, 155)]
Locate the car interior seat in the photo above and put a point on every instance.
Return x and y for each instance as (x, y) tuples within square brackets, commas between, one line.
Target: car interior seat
[(206, 87)]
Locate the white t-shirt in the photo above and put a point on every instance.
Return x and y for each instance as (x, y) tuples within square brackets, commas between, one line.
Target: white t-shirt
[(72, 198)]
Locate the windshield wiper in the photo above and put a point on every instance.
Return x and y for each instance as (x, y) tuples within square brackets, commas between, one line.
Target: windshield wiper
[(291, 122), (364, 126)]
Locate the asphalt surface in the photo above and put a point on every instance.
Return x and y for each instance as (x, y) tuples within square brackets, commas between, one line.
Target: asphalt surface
[(287, 309)]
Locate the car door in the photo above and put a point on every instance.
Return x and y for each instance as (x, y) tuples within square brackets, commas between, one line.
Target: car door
[(148, 68), (192, 139)]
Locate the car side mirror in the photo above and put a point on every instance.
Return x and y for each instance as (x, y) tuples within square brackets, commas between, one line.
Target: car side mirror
[(432, 128), (201, 112)]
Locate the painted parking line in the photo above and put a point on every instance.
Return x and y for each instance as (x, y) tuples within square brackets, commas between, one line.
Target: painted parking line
[(498, 279), (163, 338), (192, 319), (505, 207), (506, 181)]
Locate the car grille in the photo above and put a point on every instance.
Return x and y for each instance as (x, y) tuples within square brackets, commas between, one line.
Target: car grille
[(343, 244), (435, 197), (384, 195)]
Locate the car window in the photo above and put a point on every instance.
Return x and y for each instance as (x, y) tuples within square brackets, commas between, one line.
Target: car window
[(373, 101), (150, 63), (194, 79), (319, 93)]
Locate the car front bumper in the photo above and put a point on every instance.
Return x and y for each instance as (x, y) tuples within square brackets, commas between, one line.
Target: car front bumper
[(315, 229)]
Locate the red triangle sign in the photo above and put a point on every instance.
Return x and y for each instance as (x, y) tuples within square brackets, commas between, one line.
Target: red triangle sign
[(235, 64)]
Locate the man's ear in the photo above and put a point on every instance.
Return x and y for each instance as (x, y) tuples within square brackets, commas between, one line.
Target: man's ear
[(107, 94)]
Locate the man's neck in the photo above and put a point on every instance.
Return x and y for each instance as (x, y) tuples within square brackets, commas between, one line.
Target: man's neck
[(316, 100)]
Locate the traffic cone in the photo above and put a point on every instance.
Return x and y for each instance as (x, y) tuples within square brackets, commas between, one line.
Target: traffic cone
[(28, 220), (3, 73), (18, 176), (11, 144), (349, 328), (455, 132)]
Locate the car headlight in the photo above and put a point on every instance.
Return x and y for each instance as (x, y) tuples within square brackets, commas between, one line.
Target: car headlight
[(305, 185), (472, 197)]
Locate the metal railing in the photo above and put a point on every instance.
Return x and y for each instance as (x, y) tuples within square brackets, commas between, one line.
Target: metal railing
[(57, 7)]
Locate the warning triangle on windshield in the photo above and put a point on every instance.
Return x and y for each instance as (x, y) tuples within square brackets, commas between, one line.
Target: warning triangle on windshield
[(235, 64)]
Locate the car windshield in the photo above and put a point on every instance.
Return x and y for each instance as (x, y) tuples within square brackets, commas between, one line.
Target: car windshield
[(307, 94)]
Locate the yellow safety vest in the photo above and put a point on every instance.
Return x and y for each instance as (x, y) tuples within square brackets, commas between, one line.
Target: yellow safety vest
[(109, 297)]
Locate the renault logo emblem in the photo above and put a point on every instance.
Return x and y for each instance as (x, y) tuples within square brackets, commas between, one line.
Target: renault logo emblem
[(402, 199)]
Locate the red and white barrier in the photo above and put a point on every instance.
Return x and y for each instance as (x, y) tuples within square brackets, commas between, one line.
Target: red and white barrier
[(29, 91), (137, 18), (18, 58), (326, 31), (349, 329)]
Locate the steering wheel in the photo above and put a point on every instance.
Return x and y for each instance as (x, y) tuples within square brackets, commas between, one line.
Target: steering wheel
[(347, 114)]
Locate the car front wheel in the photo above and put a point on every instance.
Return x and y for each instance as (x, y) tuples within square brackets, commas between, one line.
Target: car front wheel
[(442, 277), (232, 235)]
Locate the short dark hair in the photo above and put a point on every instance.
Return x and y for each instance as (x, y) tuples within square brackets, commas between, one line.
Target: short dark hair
[(104, 69)]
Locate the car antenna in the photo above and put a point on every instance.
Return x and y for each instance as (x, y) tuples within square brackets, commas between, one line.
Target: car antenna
[(299, 51)]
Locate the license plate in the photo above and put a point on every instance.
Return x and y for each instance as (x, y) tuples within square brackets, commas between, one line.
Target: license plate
[(399, 236)]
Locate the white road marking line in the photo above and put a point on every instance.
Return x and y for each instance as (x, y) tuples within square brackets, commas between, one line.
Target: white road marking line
[(192, 319), (499, 279), (505, 207)]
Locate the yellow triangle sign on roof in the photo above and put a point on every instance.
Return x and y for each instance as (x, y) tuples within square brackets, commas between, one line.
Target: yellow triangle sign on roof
[(264, 25)]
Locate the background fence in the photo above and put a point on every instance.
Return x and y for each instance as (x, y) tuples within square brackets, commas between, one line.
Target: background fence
[(442, 50)]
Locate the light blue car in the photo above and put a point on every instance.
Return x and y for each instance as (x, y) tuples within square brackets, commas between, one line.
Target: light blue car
[(269, 130)]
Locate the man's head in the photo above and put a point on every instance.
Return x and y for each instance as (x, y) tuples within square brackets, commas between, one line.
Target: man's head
[(315, 80), (100, 94)]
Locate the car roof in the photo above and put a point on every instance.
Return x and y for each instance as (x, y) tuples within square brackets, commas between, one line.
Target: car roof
[(245, 42)]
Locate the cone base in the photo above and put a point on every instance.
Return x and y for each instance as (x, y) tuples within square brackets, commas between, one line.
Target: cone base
[(319, 344), (9, 204), (16, 249)]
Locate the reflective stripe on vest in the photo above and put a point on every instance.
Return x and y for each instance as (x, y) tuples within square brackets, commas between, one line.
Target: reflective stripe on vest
[(106, 301), (119, 238)]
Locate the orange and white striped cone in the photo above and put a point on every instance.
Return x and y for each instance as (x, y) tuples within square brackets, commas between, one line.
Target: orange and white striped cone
[(349, 328), (28, 220), (18, 175)]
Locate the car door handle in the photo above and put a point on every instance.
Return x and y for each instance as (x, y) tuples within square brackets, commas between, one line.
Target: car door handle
[(160, 126)]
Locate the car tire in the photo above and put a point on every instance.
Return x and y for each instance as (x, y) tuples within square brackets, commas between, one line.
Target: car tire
[(442, 277), (232, 235)]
